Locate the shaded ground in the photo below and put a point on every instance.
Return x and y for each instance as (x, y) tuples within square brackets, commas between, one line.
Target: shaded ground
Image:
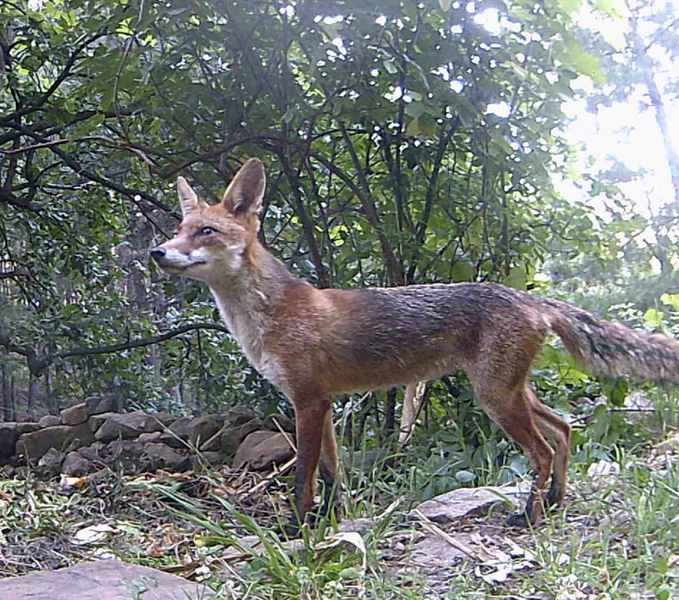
[(42, 519), (53, 524)]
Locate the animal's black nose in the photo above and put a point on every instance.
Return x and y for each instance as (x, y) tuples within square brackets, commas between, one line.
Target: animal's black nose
[(158, 253)]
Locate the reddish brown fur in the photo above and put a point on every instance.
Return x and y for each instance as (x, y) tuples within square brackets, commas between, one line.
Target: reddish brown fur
[(315, 343)]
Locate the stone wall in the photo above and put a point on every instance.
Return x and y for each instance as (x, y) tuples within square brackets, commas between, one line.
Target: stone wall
[(89, 436)]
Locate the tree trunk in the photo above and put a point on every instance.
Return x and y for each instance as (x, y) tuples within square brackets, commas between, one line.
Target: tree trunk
[(645, 62), (33, 391), (49, 401), (12, 401), (661, 120), (6, 401)]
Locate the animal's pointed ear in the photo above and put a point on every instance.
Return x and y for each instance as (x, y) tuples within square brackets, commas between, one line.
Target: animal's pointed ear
[(187, 197), (244, 194)]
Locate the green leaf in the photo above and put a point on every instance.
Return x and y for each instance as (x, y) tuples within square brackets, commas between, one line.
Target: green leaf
[(671, 300), (570, 6), (517, 278), (107, 98), (413, 128), (465, 476), (462, 272), (617, 391), (583, 61), (415, 109), (653, 318), (390, 66)]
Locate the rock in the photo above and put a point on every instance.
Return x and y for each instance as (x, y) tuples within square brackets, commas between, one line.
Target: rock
[(97, 405), (432, 551), (123, 455), (261, 450), (206, 459), (98, 447), (74, 445), (213, 444), (100, 476), (96, 421), (239, 415), (9, 434), (51, 460), (177, 433), (91, 453), (361, 525), (74, 415), (203, 428), (286, 423), (124, 448), (603, 473), (27, 427), (122, 426), (108, 579), (232, 437), (49, 421), (36, 444), (159, 422), (76, 465), (150, 438), (464, 502), (161, 456)]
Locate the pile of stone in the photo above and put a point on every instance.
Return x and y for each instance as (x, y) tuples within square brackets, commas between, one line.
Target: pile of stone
[(89, 436)]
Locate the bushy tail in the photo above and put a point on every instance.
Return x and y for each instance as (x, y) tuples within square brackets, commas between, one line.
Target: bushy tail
[(609, 348)]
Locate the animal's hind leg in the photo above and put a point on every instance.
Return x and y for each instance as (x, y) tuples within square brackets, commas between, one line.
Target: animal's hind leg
[(557, 431), (329, 465), (512, 409)]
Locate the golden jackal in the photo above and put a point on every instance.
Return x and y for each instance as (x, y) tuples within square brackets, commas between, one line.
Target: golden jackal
[(315, 343)]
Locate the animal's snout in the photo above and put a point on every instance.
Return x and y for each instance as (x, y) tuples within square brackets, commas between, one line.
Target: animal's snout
[(158, 253)]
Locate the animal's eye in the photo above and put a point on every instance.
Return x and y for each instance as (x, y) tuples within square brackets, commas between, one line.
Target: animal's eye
[(206, 231)]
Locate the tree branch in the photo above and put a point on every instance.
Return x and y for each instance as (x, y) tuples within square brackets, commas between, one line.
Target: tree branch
[(421, 229), (38, 363), (393, 267), (13, 274), (65, 72), (72, 163)]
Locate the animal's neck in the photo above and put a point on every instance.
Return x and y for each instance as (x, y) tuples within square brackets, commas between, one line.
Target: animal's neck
[(246, 302)]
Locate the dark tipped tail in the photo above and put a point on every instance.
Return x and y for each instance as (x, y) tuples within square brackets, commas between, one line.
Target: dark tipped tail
[(609, 348)]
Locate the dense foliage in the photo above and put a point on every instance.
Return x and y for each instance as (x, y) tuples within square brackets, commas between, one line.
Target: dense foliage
[(404, 141)]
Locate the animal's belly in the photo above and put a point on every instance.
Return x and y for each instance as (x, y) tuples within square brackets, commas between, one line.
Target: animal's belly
[(389, 374)]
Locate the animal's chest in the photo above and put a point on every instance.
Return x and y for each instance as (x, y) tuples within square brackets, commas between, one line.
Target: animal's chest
[(249, 329)]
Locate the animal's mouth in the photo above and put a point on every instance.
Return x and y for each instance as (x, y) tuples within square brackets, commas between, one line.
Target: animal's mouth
[(178, 269), (174, 262)]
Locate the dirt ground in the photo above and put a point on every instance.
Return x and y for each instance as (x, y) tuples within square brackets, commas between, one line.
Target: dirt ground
[(52, 524)]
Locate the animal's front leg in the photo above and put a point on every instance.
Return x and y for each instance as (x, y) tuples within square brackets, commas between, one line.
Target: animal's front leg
[(310, 415)]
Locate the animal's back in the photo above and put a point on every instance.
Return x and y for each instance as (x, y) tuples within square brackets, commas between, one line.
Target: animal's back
[(378, 337)]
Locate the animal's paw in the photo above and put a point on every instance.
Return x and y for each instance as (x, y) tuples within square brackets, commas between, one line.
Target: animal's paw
[(518, 520), (290, 530)]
